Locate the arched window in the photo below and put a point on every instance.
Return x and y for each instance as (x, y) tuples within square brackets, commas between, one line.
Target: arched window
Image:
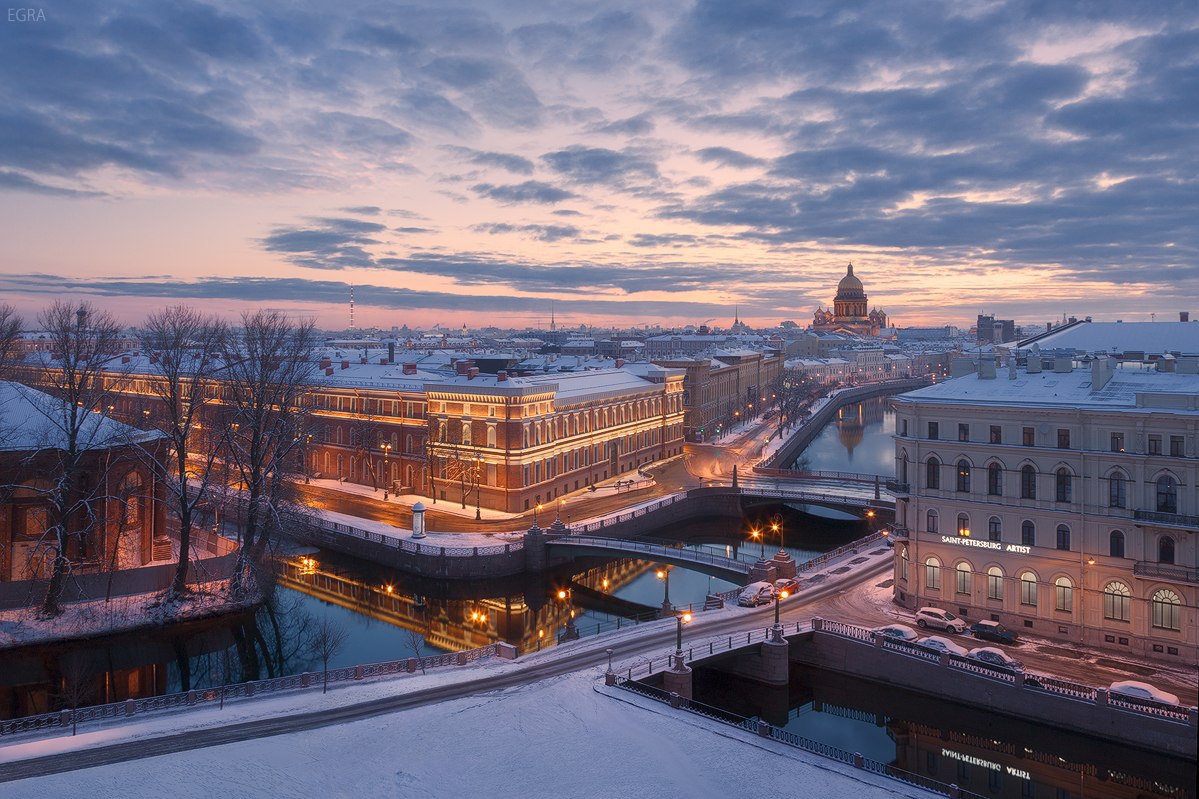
[(1117, 602), (1062, 485), (994, 583), (962, 573), (963, 524), (408, 443), (931, 521), (1165, 549), (466, 433), (995, 480), (994, 529), (1063, 595), (1115, 544), (1117, 490), (964, 476), (1063, 537), (1167, 610), (491, 436), (1167, 494), (1028, 534), (932, 473), (1028, 589), (903, 563), (1028, 482), (932, 574)]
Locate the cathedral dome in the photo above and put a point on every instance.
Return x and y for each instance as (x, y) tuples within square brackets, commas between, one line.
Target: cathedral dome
[(850, 288)]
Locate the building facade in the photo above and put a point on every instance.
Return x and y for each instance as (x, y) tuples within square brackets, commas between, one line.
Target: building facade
[(1060, 501), (723, 387)]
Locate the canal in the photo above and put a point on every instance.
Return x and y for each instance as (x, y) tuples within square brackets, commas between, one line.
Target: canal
[(975, 749), (388, 615), (858, 439)]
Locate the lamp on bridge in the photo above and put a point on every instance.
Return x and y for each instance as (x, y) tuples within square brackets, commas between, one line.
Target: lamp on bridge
[(571, 633), (663, 574), (680, 620), (756, 535), (776, 632)]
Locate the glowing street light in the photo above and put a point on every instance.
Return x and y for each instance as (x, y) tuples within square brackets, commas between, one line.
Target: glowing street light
[(680, 620), (663, 574), (756, 535)]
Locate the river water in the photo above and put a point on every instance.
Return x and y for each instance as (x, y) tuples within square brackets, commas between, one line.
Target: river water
[(858, 439)]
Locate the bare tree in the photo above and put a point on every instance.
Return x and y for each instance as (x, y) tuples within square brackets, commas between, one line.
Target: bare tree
[(415, 642), (82, 377), (10, 335), (78, 683), (187, 349), (328, 638), (266, 398)]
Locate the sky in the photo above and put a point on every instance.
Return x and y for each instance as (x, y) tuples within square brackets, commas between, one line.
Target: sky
[(628, 162)]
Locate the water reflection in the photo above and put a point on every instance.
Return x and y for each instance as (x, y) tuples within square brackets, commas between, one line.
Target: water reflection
[(858, 440), (976, 749)]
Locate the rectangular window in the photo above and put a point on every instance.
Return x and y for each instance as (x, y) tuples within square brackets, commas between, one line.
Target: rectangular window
[(903, 427), (934, 431), (996, 434), (1063, 438), (1063, 598), (1029, 437), (932, 576), (1028, 590), (1176, 446), (963, 432), (1155, 445), (1117, 442), (994, 529), (994, 584)]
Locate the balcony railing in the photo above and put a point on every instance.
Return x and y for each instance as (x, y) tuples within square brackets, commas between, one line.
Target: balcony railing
[(1173, 519), (1166, 571), (896, 487)]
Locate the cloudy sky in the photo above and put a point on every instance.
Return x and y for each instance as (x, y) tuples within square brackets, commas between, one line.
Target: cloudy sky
[(632, 162)]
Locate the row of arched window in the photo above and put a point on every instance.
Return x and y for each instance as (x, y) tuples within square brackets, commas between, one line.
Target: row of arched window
[(1165, 605), (1166, 485), (1028, 535)]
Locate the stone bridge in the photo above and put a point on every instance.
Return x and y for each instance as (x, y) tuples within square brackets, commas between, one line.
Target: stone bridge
[(734, 571)]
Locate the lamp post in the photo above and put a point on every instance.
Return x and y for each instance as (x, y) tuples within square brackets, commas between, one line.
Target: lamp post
[(386, 463), (776, 526), (756, 535), (776, 632), (680, 620), (663, 574), (571, 633)]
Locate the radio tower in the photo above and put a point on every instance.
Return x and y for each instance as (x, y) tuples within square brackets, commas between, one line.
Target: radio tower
[(351, 306)]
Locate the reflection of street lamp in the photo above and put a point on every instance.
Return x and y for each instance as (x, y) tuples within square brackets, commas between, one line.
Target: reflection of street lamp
[(571, 633), (663, 574), (478, 488), (536, 508)]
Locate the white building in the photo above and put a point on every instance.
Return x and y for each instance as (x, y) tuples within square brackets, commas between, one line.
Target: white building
[(1061, 502)]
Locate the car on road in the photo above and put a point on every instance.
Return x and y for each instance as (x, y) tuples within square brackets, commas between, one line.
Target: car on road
[(993, 631), (943, 645), (788, 584), (996, 658), (939, 619), (900, 631), (1132, 689), (756, 594)]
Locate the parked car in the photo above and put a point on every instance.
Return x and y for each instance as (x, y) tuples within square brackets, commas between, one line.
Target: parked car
[(756, 594), (993, 631), (943, 645), (788, 584), (990, 656), (939, 620), (1132, 689), (900, 631)]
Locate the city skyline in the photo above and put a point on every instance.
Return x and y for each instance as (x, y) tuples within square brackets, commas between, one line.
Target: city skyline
[(469, 165)]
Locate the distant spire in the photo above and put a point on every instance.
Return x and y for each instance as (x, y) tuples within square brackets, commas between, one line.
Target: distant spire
[(850, 269), (553, 324), (351, 306)]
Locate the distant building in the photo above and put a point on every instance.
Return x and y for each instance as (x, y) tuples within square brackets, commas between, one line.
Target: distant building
[(850, 312), (995, 331)]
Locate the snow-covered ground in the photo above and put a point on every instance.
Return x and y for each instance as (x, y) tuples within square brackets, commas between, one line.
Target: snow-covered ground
[(559, 738)]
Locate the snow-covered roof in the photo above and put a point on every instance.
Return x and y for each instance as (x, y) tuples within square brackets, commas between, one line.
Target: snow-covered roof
[(567, 387), (1120, 337), (31, 420), (1126, 389)]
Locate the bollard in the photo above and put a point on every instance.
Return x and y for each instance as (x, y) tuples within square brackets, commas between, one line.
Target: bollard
[(64, 718), (358, 672), (130, 707), (305, 680), (674, 699), (817, 624), (191, 697), (411, 665), (858, 760), (763, 729), (954, 791), (610, 678), (460, 658), (249, 689)]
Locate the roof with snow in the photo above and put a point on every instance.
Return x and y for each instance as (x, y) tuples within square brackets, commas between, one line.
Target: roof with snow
[(32, 420), (1179, 338)]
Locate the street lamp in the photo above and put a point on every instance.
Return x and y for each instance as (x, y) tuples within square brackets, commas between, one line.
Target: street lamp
[(777, 631), (680, 620), (776, 526), (386, 463), (663, 574)]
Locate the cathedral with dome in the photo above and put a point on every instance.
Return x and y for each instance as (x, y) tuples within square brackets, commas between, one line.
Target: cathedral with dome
[(849, 313)]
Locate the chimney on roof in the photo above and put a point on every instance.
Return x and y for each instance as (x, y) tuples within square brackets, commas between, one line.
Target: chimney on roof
[(986, 370), (384, 361), (124, 359), (1184, 316), (363, 359), (619, 362), (345, 364), (391, 352), (1063, 364), (326, 362), (501, 376), (463, 366), (1034, 363), (328, 371), (154, 357), (409, 368), (1101, 372), (472, 373)]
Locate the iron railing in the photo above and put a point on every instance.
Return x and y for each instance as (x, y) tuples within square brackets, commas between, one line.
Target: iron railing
[(1166, 571), (1162, 517)]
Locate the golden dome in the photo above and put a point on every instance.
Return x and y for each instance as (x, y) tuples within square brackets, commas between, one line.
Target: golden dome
[(850, 288)]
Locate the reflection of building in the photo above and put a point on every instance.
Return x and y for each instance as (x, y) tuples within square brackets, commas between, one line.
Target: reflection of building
[(1062, 503), (852, 421), (850, 310)]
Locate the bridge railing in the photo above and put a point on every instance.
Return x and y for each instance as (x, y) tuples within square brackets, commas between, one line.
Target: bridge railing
[(816, 496), (852, 547), (808, 474), (644, 548), (66, 719), (609, 521), (408, 545)]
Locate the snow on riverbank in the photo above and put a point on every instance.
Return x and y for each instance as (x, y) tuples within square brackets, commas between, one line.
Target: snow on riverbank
[(25, 626)]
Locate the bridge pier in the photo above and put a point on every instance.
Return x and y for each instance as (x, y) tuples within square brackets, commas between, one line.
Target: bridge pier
[(677, 679), (536, 556), (763, 570), (784, 565)]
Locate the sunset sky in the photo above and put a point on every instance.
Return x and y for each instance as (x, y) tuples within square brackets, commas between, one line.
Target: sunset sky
[(633, 162)]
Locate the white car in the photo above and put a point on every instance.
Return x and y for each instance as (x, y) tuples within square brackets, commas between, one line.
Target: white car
[(1142, 690), (943, 645), (900, 631), (756, 594), (990, 656), (940, 620)]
